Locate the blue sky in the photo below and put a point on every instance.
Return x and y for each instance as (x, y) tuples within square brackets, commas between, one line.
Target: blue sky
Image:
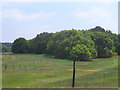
[(28, 19)]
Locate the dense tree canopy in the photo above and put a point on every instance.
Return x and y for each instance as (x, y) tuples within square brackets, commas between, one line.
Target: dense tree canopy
[(5, 47), (104, 44), (97, 29), (118, 50), (20, 45), (80, 52), (39, 43), (72, 44), (63, 42)]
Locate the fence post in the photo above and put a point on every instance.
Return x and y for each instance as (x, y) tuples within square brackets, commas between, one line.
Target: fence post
[(5, 66)]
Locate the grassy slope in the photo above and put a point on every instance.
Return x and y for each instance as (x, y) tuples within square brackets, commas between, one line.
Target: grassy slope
[(42, 71)]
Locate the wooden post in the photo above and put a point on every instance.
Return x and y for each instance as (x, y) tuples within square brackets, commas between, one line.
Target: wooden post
[(5, 66), (73, 81)]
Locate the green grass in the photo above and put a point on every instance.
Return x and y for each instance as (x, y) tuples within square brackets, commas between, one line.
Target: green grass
[(44, 71)]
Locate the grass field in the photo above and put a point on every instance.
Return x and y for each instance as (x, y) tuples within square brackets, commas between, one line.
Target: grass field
[(43, 71)]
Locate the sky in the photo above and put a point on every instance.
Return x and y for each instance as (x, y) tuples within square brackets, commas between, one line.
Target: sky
[(27, 19)]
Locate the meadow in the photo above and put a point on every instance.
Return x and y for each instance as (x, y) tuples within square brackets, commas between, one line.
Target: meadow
[(45, 71)]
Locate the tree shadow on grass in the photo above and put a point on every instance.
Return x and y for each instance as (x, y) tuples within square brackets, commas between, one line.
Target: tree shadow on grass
[(53, 57), (83, 60)]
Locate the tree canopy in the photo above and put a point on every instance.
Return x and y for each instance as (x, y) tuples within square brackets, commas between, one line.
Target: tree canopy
[(104, 44), (20, 45), (71, 44)]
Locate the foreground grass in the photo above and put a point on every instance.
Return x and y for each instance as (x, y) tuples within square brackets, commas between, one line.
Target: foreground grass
[(43, 71)]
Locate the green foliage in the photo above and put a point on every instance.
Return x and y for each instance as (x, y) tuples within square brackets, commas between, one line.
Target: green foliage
[(80, 52), (118, 44), (20, 45), (63, 42), (96, 41), (6, 49), (104, 44), (115, 38), (7, 44), (97, 29), (39, 43)]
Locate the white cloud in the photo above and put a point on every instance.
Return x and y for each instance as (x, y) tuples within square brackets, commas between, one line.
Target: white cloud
[(97, 16), (94, 14), (31, 31), (20, 15)]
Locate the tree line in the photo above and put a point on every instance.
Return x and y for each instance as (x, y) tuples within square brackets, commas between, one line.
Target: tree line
[(5, 47), (72, 44)]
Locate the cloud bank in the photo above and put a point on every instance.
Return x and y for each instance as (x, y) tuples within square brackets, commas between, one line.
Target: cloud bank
[(98, 16), (21, 15)]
